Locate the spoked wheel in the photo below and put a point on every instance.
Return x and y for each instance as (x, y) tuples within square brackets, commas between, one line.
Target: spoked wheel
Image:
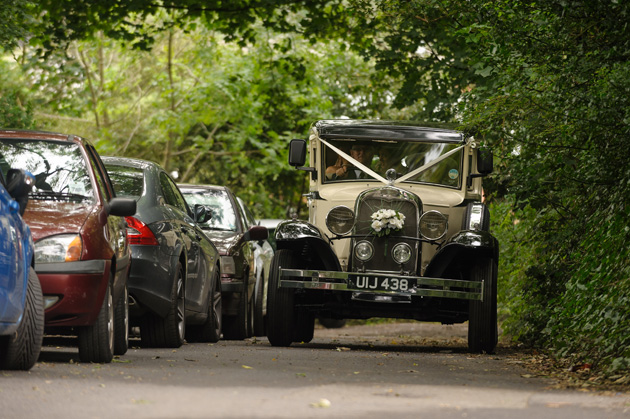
[(281, 324), (482, 322), (96, 342), (168, 332)]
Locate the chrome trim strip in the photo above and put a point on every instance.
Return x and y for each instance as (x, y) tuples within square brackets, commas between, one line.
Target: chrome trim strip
[(335, 280)]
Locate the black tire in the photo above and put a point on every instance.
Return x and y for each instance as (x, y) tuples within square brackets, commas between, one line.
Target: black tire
[(482, 321), (238, 327), (20, 350), (281, 325), (96, 342), (210, 330), (259, 316), (330, 323), (121, 324), (305, 327), (168, 332)]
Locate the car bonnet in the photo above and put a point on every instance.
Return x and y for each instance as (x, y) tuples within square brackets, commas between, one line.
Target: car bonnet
[(47, 218)]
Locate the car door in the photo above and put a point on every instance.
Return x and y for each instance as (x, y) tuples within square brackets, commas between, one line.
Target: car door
[(116, 226), (197, 278), (12, 288)]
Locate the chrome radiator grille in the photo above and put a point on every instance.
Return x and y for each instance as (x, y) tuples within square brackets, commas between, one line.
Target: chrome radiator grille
[(387, 198)]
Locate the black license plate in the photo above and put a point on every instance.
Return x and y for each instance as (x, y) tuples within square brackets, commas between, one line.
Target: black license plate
[(381, 283)]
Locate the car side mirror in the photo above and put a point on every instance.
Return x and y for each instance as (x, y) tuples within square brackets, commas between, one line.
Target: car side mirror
[(122, 207), (297, 153), (485, 161), (201, 213), (256, 233), (297, 157), (19, 184)]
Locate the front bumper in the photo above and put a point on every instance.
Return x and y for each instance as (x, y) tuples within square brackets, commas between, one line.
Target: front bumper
[(381, 283), (80, 287)]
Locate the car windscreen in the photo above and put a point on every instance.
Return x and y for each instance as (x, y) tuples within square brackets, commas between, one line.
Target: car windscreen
[(128, 181), (219, 203), (405, 157), (60, 169)]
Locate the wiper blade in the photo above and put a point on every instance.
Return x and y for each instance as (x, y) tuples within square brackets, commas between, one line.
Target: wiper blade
[(57, 196)]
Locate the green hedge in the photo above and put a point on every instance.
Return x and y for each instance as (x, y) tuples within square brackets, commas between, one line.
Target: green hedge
[(571, 297)]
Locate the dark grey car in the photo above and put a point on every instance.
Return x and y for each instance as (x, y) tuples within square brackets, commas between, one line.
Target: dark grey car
[(245, 258), (174, 283)]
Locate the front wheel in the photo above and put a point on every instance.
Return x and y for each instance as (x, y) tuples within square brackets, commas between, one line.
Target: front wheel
[(281, 325), (482, 321), (96, 342), (20, 350)]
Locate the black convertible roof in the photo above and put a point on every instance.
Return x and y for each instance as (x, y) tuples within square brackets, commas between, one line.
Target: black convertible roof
[(386, 130)]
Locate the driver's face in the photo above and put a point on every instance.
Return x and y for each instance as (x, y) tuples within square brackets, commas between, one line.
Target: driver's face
[(361, 153)]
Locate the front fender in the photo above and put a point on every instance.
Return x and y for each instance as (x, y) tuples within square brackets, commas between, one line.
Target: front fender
[(462, 250), (312, 245)]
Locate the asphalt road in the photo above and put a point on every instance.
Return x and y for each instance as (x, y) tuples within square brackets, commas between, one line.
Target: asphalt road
[(403, 370)]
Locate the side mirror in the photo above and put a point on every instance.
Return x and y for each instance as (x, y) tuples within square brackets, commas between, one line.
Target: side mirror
[(19, 184), (297, 153), (201, 213), (122, 207), (256, 233), (485, 161)]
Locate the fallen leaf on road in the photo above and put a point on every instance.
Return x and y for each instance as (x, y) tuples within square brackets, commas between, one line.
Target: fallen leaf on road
[(322, 403), (342, 348), (247, 367)]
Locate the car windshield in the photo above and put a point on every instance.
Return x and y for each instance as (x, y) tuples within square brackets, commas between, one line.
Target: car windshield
[(128, 182), (60, 169), (405, 157), (218, 201)]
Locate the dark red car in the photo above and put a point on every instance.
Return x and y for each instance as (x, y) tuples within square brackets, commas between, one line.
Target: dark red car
[(81, 253)]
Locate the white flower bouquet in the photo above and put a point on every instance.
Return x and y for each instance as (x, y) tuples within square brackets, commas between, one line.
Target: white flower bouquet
[(384, 221)]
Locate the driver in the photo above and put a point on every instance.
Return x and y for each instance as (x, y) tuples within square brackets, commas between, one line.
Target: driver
[(363, 153)]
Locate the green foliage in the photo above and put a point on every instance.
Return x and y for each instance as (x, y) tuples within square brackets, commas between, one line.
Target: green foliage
[(13, 114), (208, 111), (545, 84), (559, 123), (15, 107), (14, 21), (134, 22)]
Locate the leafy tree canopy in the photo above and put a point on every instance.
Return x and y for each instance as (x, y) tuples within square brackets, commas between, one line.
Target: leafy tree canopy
[(134, 21)]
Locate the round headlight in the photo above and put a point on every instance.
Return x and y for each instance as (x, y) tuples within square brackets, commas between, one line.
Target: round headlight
[(401, 253), (340, 220), (364, 250), (433, 225)]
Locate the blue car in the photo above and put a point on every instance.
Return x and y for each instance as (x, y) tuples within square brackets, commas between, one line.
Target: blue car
[(21, 300)]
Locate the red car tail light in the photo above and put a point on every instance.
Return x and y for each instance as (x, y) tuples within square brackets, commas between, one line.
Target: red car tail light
[(139, 233)]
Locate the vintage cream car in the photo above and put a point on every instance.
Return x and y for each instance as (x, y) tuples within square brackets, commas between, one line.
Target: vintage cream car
[(397, 228)]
